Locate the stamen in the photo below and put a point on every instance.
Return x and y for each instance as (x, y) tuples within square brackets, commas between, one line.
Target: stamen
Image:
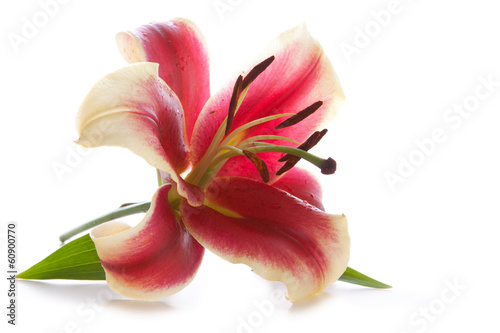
[(290, 163), (308, 144), (234, 102), (259, 164), (198, 174), (253, 140), (230, 148), (321, 163), (300, 115), (256, 71), (251, 124), (292, 160)]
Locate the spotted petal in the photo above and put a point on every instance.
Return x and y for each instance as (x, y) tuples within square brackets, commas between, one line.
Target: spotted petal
[(300, 75), (303, 185), (180, 50), (152, 260), (281, 237), (133, 108)]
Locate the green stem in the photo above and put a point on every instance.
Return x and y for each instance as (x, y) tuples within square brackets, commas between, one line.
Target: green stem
[(140, 207), (317, 161), (194, 176), (230, 148), (214, 168), (251, 124), (254, 139), (199, 172)]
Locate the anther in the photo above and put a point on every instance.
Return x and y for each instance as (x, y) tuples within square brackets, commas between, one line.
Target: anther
[(259, 164), (300, 115), (256, 71), (308, 144), (290, 163), (234, 103), (292, 160)]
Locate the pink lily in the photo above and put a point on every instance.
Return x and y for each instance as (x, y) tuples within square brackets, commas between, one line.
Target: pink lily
[(238, 200)]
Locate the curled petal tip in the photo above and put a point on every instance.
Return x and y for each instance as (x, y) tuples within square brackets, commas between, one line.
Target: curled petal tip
[(81, 142), (152, 260), (130, 47), (131, 108), (180, 50)]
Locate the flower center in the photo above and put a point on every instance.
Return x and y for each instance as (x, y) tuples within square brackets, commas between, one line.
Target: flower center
[(228, 142)]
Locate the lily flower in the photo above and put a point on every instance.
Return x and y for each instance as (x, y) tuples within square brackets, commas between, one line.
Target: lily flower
[(242, 199)]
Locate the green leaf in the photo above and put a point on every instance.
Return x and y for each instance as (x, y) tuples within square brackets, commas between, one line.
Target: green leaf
[(76, 260), (352, 276)]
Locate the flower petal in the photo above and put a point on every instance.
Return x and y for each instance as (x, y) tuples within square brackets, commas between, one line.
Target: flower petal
[(302, 184), (180, 49), (280, 236), (300, 75), (152, 260), (133, 108)]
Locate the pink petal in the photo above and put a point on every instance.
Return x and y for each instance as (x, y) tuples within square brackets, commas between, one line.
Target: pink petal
[(152, 260), (303, 185), (133, 108), (180, 49), (280, 236), (300, 76)]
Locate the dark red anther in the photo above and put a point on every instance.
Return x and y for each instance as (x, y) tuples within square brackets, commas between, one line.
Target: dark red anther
[(259, 164), (292, 160), (308, 144), (298, 117), (234, 103), (256, 71)]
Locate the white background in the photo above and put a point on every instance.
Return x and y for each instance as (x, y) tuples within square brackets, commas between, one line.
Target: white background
[(435, 227)]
